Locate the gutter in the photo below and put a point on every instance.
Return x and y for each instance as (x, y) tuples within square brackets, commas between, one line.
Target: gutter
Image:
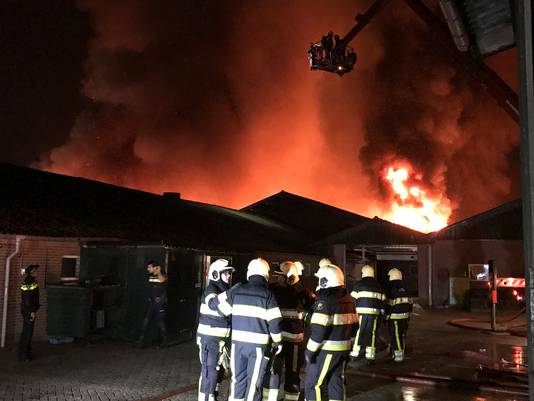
[(6, 287)]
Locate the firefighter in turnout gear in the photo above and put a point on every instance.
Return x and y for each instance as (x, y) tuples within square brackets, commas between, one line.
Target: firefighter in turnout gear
[(398, 310), (256, 330), (369, 298), (292, 300), (213, 332), (332, 327), (157, 304), (29, 295)]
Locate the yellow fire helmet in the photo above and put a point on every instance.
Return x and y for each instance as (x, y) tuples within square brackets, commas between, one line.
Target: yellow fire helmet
[(258, 267), (299, 266), (395, 274), (324, 262), (368, 271)]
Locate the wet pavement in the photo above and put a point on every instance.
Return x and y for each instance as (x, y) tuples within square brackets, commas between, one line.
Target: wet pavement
[(443, 363)]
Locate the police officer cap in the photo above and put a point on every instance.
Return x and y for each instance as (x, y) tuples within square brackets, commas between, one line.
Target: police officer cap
[(30, 269)]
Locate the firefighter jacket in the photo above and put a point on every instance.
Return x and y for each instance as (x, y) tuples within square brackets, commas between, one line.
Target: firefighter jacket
[(333, 322), (256, 318), (29, 293), (369, 297), (211, 323), (293, 301), (399, 304), (157, 290)]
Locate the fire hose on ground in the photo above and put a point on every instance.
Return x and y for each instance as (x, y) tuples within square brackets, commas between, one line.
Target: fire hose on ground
[(519, 389), (476, 324)]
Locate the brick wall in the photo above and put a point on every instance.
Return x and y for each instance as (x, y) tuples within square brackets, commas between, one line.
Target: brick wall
[(44, 251)]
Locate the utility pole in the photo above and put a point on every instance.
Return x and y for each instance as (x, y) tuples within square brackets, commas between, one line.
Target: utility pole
[(526, 113)]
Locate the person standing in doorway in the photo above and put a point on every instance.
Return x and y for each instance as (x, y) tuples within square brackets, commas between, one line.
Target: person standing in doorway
[(157, 304), (29, 295)]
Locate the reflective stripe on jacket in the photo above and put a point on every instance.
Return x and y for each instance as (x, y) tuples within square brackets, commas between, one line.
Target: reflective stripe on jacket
[(399, 304), (256, 318), (211, 323), (369, 297), (333, 322)]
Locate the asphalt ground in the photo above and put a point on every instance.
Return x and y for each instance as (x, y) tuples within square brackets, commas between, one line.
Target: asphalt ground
[(443, 362)]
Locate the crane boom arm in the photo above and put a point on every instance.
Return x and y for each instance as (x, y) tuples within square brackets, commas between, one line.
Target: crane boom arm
[(505, 96)]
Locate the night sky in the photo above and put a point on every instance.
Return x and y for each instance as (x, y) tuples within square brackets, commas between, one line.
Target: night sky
[(214, 99)]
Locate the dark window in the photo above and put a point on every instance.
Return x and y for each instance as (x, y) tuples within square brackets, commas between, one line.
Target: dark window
[(69, 267)]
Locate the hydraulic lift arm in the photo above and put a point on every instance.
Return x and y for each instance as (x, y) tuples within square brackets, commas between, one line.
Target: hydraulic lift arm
[(477, 69)]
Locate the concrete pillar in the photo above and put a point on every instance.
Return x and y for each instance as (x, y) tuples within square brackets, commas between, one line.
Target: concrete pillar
[(340, 255)]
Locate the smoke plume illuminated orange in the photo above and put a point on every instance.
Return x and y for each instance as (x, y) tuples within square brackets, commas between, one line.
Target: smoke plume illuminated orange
[(411, 205)]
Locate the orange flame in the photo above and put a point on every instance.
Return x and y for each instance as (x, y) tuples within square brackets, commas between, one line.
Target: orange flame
[(412, 206)]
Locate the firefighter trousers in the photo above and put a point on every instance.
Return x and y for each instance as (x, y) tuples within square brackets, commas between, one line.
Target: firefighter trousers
[(25, 341), (397, 334), (292, 359), (211, 371), (365, 342), (326, 375), (248, 363)]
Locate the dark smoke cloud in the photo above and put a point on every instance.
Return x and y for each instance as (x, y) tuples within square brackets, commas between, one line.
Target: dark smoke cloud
[(430, 113), (214, 100)]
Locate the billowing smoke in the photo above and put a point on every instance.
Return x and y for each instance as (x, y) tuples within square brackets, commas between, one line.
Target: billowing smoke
[(430, 113), (214, 100)]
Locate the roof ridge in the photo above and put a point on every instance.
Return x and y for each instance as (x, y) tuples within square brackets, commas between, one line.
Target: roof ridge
[(300, 197)]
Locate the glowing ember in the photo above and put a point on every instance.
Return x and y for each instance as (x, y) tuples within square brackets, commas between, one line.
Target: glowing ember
[(412, 206)]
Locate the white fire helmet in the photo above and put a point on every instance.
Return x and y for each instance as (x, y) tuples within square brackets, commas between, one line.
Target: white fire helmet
[(299, 266), (395, 274), (330, 276), (324, 262), (218, 267), (258, 267), (291, 271), (368, 271)]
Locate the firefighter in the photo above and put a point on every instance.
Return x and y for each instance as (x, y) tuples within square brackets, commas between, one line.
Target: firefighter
[(369, 298), (157, 303), (213, 332), (29, 295), (292, 300), (332, 326), (256, 330), (327, 42), (398, 310)]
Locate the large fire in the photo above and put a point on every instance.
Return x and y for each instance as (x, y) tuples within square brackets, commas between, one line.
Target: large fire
[(412, 206)]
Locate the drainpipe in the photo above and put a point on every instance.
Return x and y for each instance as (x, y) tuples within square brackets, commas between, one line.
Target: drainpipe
[(429, 274), (6, 287)]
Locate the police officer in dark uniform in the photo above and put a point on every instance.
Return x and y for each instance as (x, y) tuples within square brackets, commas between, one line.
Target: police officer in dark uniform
[(398, 310), (292, 300), (332, 327), (256, 330), (157, 303), (213, 332), (29, 294), (370, 303)]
